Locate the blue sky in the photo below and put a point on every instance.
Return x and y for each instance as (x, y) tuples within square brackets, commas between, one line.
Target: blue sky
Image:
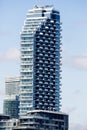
[(74, 68)]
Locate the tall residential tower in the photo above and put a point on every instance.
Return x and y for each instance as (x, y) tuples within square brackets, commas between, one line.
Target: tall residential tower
[(40, 60)]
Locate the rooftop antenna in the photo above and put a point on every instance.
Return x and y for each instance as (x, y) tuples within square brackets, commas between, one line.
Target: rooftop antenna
[(35, 6), (47, 6)]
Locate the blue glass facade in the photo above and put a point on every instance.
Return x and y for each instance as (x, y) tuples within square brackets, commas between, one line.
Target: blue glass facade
[(40, 61)]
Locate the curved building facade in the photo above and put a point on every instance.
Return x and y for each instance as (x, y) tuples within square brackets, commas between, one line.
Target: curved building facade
[(40, 61)]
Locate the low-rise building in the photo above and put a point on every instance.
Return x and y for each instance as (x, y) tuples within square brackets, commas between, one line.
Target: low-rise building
[(43, 120), (6, 123)]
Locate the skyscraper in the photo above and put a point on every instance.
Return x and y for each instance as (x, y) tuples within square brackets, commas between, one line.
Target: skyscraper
[(40, 61), (11, 100)]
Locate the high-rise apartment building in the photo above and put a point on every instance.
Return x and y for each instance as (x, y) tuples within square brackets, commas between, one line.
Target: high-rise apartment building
[(40, 61), (11, 100), (35, 97)]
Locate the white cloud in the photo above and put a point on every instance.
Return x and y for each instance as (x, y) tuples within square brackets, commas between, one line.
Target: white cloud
[(69, 110), (77, 92), (76, 61), (81, 23), (80, 61), (1, 93), (78, 127), (11, 54)]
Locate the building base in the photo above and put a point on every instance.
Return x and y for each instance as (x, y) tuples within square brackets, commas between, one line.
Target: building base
[(43, 120)]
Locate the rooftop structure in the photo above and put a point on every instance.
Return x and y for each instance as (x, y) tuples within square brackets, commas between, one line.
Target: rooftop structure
[(43, 120)]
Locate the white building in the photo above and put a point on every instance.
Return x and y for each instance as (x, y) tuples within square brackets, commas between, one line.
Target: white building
[(11, 100)]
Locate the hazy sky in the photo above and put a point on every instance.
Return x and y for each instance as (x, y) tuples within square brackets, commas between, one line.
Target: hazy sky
[(74, 68)]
